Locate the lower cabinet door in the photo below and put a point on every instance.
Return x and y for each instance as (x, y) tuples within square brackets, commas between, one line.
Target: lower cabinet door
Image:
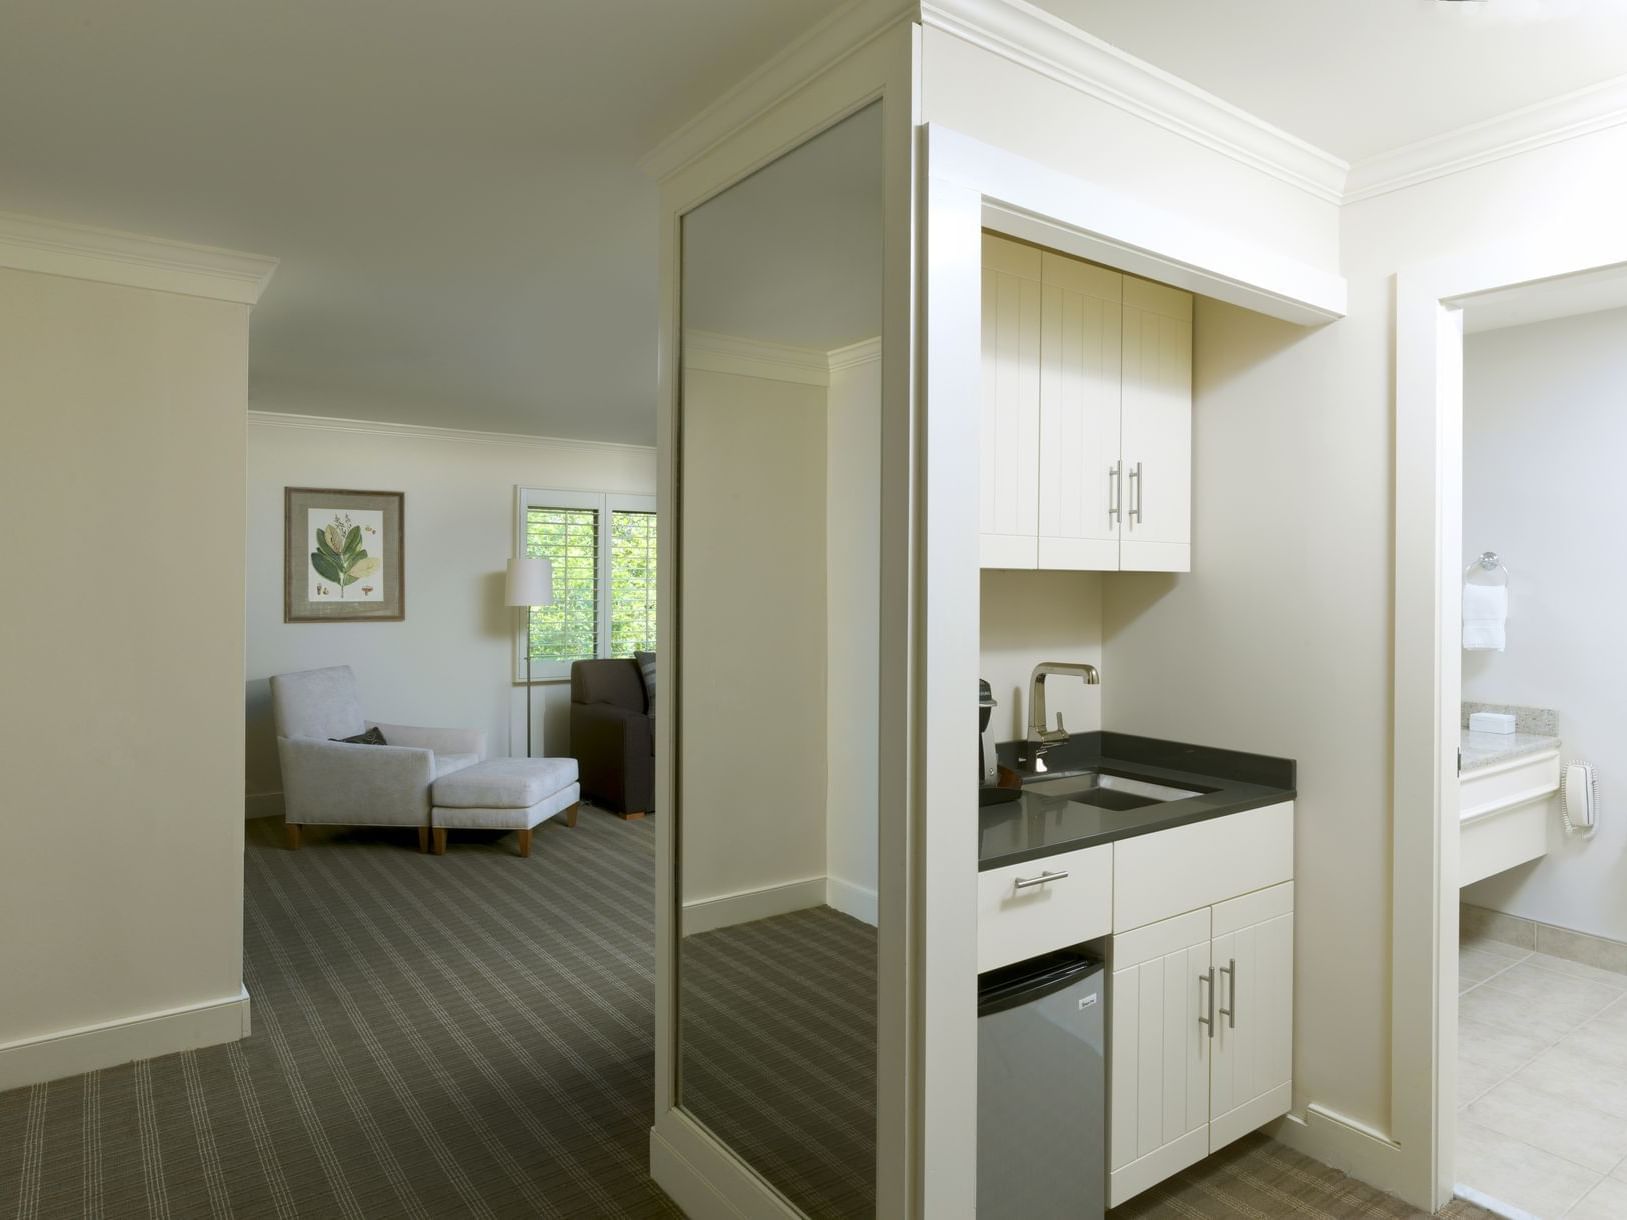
[(1159, 1053), (1251, 1080)]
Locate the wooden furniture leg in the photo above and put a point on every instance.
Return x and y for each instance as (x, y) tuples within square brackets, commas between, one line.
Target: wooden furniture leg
[(423, 839), (570, 814), (440, 841), (525, 843), (291, 829), (632, 815)]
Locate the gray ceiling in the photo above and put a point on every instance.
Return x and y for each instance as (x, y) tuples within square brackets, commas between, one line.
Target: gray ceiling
[(466, 239)]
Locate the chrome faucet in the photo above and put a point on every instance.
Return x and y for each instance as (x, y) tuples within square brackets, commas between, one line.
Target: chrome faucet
[(1038, 735)]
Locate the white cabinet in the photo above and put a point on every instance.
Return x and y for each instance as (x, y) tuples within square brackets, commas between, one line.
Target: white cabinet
[(1200, 1033), (1008, 495), (1157, 414), (1252, 951), (1087, 415), (1159, 1055), (1024, 910), (1080, 472)]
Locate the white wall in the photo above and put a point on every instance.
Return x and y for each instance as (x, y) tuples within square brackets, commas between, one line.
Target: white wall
[(121, 641), (1280, 640), (450, 661), (1277, 642), (1029, 617), (752, 759), (853, 596), (1544, 430)]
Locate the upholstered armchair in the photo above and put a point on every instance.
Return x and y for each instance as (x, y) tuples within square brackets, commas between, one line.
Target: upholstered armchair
[(330, 782), (613, 735)]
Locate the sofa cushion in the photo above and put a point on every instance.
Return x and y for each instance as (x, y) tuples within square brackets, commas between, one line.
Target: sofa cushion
[(481, 817), (646, 667), (317, 703), (445, 764), (504, 783), (616, 681)]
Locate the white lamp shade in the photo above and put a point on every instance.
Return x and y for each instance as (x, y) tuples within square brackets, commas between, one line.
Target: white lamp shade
[(530, 582)]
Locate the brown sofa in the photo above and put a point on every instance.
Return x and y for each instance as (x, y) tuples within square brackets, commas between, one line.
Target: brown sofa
[(613, 735)]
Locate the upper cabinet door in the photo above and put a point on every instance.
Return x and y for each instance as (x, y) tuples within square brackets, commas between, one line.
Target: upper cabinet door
[(1008, 498), (1081, 479), (1157, 421)]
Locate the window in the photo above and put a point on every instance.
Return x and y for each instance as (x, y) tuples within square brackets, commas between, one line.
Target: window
[(603, 550)]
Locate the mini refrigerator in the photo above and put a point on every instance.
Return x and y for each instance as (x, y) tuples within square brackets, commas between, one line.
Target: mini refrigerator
[(1041, 1090)]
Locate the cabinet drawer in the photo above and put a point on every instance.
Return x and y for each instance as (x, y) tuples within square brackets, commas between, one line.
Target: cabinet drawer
[(1159, 875), (1016, 921)]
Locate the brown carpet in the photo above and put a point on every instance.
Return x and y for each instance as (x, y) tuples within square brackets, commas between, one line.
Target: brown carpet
[(779, 1052), (468, 1035), (1258, 1177)]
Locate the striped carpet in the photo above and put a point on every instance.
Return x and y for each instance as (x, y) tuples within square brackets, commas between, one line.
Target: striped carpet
[(779, 1052), (464, 1035), (468, 1035)]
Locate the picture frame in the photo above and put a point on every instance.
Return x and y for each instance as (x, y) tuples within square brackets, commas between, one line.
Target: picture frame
[(344, 556)]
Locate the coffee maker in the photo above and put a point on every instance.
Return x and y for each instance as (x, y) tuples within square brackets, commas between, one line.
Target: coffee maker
[(989, 791)]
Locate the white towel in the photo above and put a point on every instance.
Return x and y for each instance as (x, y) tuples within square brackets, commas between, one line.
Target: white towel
[(1485, 616)]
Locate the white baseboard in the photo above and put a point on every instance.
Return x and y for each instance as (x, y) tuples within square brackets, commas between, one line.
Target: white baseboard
[(856, 900), (706, 1180), (1495, 1206), (93, 1047), (707, 914), (1349, 1146), (262, 805)]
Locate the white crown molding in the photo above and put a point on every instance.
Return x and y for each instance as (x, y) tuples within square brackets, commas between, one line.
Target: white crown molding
[(833, 39), (865, 351), (33, 243), (710, 352), (425, 432), (1037, 40), (1549, 122)]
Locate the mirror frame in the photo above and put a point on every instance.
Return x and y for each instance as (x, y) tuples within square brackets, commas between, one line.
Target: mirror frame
[(700, 1172)]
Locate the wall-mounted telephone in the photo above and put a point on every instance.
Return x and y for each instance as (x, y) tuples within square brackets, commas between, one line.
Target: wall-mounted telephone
[(1579, 799)]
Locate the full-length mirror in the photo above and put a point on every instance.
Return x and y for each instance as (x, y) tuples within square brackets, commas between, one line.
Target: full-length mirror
[(776, 738)]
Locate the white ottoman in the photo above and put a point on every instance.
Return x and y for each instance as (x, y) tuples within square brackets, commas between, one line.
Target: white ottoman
[(504, 794)]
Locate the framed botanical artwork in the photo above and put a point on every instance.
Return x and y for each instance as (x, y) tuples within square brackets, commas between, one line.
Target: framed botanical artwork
[(342, 556)]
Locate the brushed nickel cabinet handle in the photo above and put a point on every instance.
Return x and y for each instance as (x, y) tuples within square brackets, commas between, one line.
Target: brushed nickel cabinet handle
[(1028, 883), (1138, 493), (1230, 971), (1210, 1019), (1115, 493)]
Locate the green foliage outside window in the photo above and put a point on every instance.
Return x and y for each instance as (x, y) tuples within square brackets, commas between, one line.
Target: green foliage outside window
[(632, 583), (568, 630)]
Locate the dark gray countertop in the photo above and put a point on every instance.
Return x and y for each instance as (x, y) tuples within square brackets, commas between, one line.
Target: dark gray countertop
[(1036, 826)]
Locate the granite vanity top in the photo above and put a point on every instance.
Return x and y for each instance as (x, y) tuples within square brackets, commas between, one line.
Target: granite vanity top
[(1484, 749), (1536, 730), (1037, 825)]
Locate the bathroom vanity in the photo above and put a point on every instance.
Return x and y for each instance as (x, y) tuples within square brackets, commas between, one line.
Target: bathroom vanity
[(1177, 863), (1507, 785)]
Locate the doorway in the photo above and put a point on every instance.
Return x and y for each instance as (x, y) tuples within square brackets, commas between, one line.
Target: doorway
[(1431, 305)]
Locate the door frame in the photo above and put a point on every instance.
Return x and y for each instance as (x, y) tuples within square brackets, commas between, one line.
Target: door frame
[(1428, 663)]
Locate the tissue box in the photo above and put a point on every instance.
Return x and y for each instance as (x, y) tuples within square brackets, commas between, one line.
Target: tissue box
[(1491, 722)]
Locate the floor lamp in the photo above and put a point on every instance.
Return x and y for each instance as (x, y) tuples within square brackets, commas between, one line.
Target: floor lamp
[(530, 583)]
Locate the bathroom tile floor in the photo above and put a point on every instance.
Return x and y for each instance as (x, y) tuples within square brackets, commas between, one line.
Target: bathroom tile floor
[(1542, 1082)]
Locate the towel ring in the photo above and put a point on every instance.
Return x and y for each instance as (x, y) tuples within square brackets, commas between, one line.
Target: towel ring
[(1489, 569)]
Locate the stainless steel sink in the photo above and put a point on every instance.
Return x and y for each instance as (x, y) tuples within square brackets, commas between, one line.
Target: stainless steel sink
[(1106, 790)]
